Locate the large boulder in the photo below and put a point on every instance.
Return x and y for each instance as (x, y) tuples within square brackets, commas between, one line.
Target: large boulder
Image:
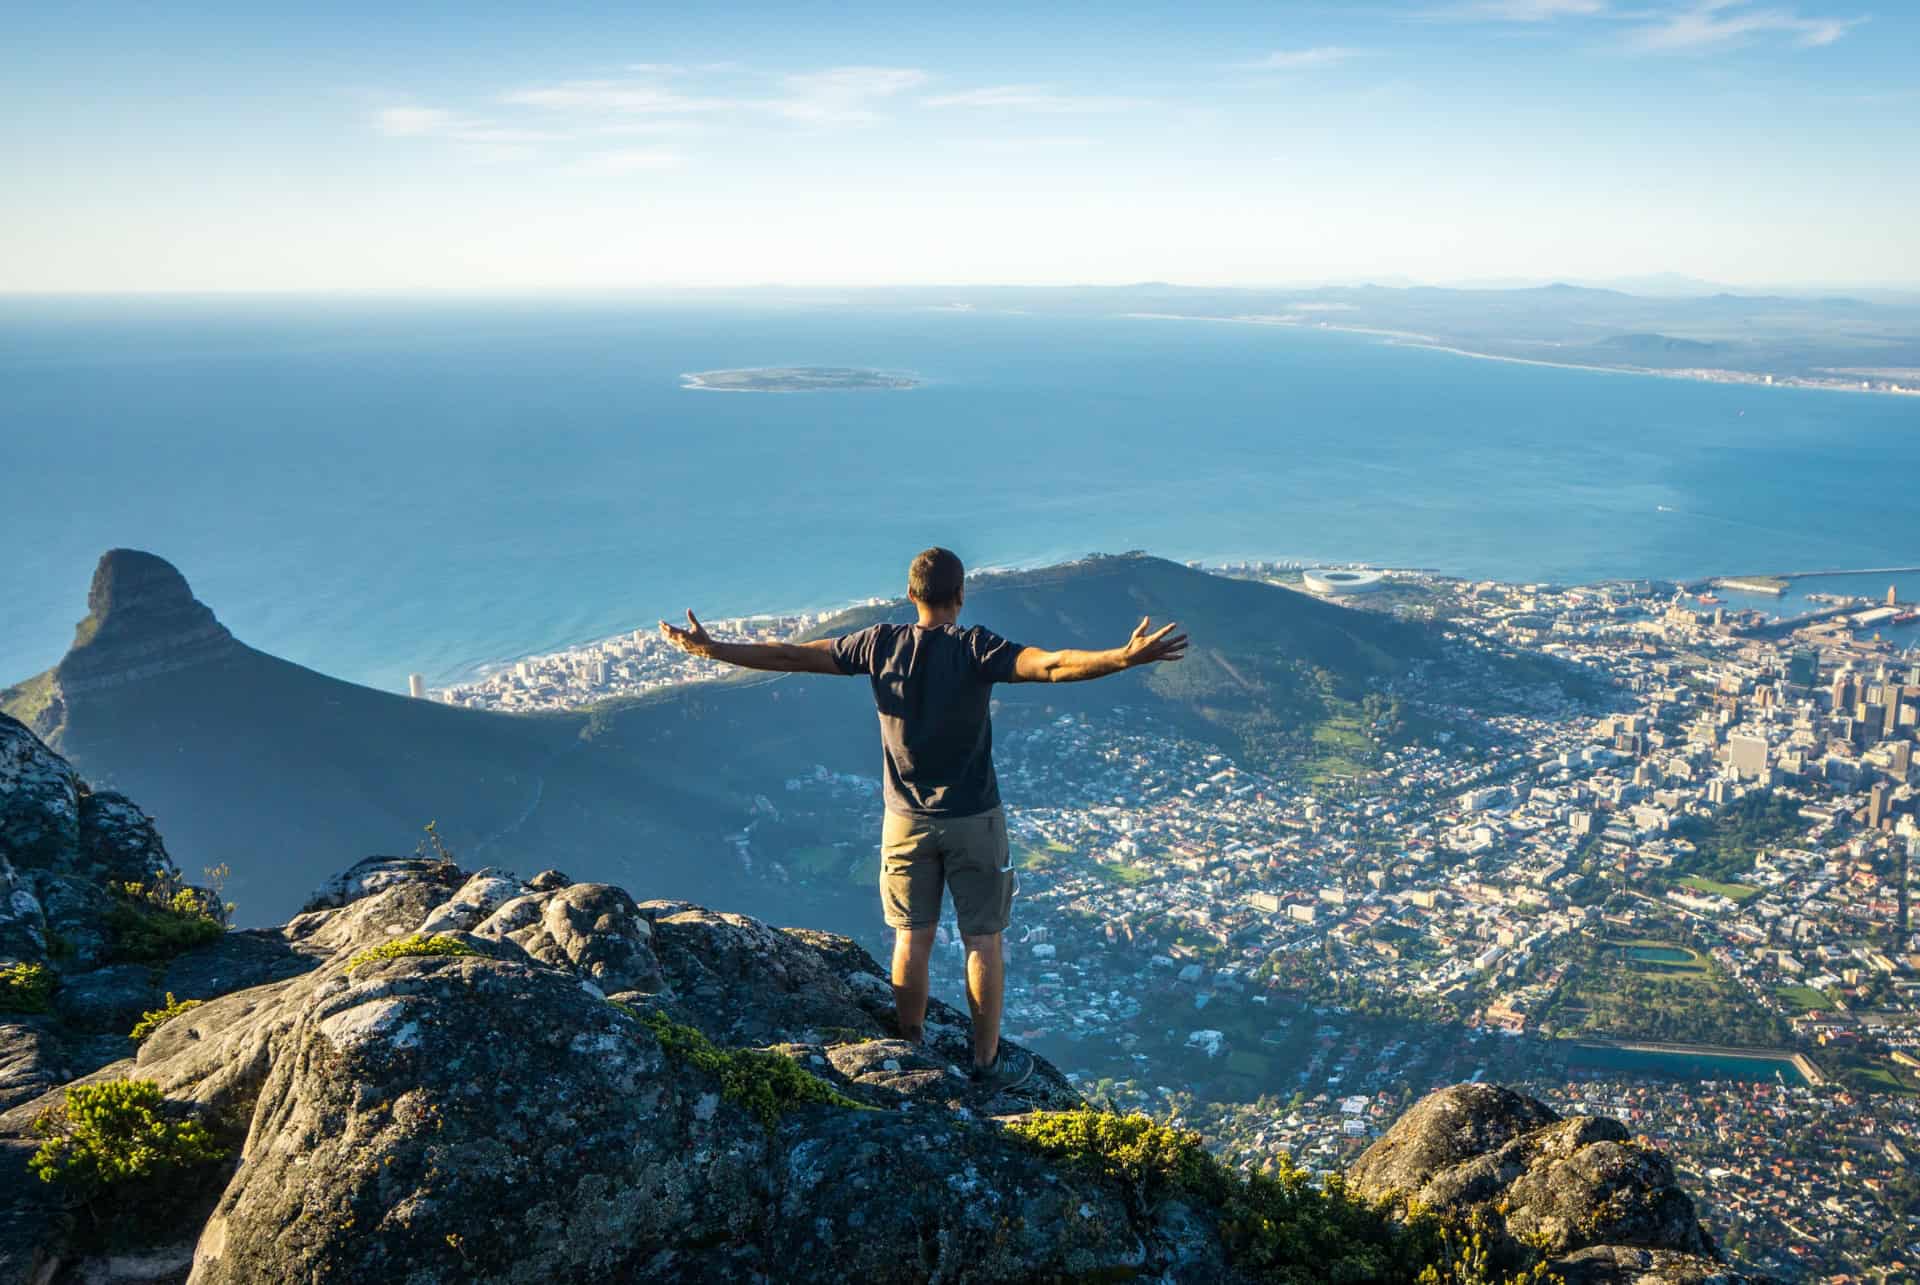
[(1580, 1190)]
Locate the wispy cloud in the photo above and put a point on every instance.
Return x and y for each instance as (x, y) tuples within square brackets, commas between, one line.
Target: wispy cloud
[(610, 96), (1527, 10), (431, 122), (1302, 59), (620, 163), (843, 95), (404, 122), (1716, 23), (1027, 143), (1032, 98)]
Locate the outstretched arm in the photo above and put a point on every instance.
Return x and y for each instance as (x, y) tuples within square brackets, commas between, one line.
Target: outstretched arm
[(791, 658), (1035, 666)]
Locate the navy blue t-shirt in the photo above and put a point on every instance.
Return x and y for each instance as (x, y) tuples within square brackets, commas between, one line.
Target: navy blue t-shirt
[(932, 686)]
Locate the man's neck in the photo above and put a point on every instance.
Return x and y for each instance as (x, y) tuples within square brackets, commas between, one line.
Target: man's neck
[(934, 619)]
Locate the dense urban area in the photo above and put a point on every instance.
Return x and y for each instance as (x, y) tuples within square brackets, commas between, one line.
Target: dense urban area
[(1685, 907)]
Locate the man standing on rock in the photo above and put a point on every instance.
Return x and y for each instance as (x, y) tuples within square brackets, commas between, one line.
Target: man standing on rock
[(944, 824)]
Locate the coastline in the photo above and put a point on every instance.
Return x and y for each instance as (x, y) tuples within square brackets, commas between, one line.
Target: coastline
[(1215, 564), (1413, 339)]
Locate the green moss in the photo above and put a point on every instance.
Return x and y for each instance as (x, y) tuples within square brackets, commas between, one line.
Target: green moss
[(417, 944), (1276, 1226), (159, 920), (26, 988), (114, 1132), (155, 1018), (767, 1084)]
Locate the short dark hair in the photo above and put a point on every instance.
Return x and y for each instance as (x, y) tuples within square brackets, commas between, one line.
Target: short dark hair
[(936, 577)]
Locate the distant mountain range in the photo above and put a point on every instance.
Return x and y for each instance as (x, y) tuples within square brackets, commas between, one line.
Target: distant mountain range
[(1798, 334), (157, 698)]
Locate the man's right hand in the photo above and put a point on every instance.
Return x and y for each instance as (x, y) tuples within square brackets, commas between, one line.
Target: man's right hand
[(692, 639), (1145, 648)]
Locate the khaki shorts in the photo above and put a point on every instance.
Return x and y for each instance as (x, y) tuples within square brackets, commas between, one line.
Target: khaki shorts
[(920, 855)]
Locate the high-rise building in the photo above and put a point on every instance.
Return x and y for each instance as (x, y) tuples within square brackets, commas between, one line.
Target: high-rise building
[(1877, 804), (1748, 757), (417, 686), (1803, 667), (1902, 759)]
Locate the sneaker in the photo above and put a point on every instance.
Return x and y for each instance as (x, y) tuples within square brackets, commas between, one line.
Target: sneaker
[(1010, 1069)]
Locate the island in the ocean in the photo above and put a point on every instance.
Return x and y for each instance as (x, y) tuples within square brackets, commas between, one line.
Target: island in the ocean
[(795, 379)]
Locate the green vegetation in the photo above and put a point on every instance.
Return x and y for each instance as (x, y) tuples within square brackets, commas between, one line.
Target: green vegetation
[(1041, 857), (1339, 746), (1726, 845), (114, 1132), (415, 945), (1804, 998), (1738, 893), (1123, 873), (155, 1018), (814, 861), (1276, 1226), (1610, 993), (161, 919), (31, 701), (26, 988), (766, 1083)]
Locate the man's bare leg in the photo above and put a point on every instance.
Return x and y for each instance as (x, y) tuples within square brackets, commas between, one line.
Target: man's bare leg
[(912, 949), (986, 988)]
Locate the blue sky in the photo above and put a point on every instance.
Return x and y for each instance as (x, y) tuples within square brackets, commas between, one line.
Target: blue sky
[(491, 147)]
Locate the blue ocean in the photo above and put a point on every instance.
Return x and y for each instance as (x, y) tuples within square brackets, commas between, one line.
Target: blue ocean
[(374, 486)]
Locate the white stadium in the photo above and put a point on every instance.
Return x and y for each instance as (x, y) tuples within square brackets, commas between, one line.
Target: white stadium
[(1338, 584)]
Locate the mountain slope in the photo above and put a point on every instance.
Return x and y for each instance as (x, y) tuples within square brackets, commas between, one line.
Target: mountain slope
[(157, 699)]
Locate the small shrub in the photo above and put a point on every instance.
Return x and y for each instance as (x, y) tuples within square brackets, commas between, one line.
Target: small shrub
[(1465, 1255), (26, 988), (155, 1018), (765, 1083), (113, 1132), (217, 877), (1276, 1226), (417, 944), (161, 919)]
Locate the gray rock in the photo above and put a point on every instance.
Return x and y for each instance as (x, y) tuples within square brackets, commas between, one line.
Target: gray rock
[(1631, 1265), (592, 929), (1564, 1186), (32, 1060), (23, 921), (373, 874), (39, 802), (108, 999), (119, 841)]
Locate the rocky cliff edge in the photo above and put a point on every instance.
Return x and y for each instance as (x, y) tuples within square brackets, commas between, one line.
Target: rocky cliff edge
[(434, 1074)]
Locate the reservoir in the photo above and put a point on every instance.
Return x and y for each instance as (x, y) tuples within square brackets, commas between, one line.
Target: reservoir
[(1660, 955), (1684, 1065)]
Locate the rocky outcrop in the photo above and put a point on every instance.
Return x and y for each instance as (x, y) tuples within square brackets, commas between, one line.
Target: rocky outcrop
[(63, 849), (435, 1075), (1602, 1207), (142, 620)]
